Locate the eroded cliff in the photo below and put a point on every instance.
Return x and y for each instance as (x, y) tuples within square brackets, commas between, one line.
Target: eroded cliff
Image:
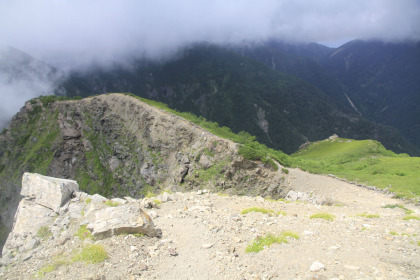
[(117, 145)]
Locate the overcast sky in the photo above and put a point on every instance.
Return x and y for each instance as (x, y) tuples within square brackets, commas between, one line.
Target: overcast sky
[(77, 33), (84, 30)]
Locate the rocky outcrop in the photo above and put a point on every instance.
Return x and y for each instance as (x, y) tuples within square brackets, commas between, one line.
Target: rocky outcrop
[(35, 220), (116, 145), (124, 219), (44, 198), (47, 191)]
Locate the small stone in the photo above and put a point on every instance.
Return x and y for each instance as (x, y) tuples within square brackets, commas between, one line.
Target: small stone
[(166, 197), (153, 214), (172, 252), (207, 246), (317, 266), (307, 232), (142, 267)]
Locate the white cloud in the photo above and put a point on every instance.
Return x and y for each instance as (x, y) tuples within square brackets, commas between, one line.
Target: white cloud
[(79, 31)]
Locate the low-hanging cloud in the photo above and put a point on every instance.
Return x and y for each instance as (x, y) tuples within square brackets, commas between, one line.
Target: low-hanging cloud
[(80, 32), (74, 34), (22, 78)]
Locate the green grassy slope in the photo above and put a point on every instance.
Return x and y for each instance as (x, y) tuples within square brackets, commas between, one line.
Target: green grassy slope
[(366, 162)]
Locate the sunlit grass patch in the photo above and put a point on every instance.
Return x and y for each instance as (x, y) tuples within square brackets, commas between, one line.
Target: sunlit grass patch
[(262, 210), (83, 233), (411, 217), (50, 267), (150, 194), (157, 202), (94, 253), (370, 216), (393, 233), (322, 215), (260, 243), (111, 203), (256, 209)]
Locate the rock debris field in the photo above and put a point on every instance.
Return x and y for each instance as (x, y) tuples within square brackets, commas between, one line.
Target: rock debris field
[(204, 235)]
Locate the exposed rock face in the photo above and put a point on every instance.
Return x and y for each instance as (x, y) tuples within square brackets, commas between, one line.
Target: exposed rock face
[(47, 191), (35, 221), (44, 197), (117, 145)]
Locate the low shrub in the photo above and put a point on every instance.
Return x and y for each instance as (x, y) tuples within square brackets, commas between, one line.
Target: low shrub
[(111, 203), (94, 253), (366, 215), (411, 217), (44, 233), (83, 233), (325, 216), (260, 243)]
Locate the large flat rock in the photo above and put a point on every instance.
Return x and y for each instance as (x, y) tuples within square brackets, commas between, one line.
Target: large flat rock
[(122, 219), (48, 191)]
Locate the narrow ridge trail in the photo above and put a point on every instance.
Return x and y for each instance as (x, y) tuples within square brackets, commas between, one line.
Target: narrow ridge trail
[(205, 236)]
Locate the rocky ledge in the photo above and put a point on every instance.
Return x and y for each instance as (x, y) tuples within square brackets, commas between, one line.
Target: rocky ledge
[(54, 207)]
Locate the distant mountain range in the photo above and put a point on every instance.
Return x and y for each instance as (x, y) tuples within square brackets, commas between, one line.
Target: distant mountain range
[(284, 94)]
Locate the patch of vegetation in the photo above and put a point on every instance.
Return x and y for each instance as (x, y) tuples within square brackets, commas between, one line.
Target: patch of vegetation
[(260, 243), (138, 234), (94, 253), (222, 194), (411, 217), (157, 202), (50, 267), (111, 203), (394, 233), (211, 173), (284, 200), (285, 170), (256, 209), (83, 233), (206, 151), (88, 200), (366, 215), (363, 161), (322, 215), (44, 233), (150, 194), (281, 213), (262, 210), (392, 206)]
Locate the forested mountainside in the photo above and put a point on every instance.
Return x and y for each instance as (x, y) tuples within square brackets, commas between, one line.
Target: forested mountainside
[(282, 110)]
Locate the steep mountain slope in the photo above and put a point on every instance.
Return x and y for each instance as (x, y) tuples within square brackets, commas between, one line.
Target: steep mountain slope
[(118, 145), (383, 81), (283, 111), (300, 60)]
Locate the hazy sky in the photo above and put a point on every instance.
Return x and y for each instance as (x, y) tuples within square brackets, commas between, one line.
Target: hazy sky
[(77, 33), (80, 31)]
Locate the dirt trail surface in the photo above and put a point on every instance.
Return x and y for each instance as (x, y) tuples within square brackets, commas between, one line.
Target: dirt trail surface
[(204, 236)]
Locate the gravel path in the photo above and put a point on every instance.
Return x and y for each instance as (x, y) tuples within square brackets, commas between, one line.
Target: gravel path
[(205, 237)]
